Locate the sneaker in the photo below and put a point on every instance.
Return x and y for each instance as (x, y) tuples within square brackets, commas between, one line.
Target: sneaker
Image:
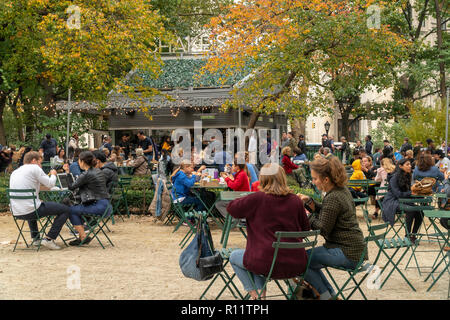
[(50, 244), (36, 242)]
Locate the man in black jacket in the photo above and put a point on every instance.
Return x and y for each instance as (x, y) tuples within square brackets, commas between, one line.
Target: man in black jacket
[(405, 146), (109, 170), (302, 143), (369, 145)]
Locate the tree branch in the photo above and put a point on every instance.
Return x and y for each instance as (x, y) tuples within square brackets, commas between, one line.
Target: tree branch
[(421, 20)]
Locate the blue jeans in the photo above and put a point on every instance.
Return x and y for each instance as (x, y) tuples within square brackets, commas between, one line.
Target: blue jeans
[(198, 205), (323, 257), (98, 208), (237, 262), (48, 209)]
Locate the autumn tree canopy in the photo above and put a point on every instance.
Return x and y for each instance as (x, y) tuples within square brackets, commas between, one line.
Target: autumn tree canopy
[(48, 46), (306, 55)]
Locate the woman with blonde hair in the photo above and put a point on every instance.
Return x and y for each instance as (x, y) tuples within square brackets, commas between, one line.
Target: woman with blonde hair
[(387, 168), (336, 219), (274, 208)]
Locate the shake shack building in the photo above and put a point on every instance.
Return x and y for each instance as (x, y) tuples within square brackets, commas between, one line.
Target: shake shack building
[(190, 100)]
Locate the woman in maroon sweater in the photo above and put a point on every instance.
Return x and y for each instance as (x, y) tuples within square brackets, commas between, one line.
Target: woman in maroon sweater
[(274, 208)]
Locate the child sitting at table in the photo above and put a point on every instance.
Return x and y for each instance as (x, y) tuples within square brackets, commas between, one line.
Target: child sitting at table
[(239, 182), (183, 179)]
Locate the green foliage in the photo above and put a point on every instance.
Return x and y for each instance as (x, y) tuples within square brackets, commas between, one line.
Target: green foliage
[(187, 17), (394, 132), (425, 122)]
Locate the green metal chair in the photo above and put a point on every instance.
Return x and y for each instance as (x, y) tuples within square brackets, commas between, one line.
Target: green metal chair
[(186, 214), (376, 234), (443, 257), (420, 204), (124, 184), (43, 222), (46, 166), (96, 224), (363, 183), (396, 243), (292, 288), (361, 201), (227, 278)]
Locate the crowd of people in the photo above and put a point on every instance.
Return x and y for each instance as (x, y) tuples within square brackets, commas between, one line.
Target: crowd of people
[(272, 206)]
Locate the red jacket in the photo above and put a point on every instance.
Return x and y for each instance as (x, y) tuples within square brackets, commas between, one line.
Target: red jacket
[(266, 214), (240, 182), (288, 165), (255, 186)]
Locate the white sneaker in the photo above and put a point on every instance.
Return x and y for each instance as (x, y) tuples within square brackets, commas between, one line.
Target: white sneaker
[(36, 243), (50, 244)]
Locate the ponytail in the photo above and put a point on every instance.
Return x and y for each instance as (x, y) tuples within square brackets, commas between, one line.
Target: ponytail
[(88, 158)]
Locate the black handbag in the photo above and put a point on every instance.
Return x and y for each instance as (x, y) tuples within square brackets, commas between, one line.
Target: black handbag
[(208, 265), (199, 260)]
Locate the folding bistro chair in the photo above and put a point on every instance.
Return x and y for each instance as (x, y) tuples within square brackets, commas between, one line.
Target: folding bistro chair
[(443, 258), (363, 183), (380, 192), (376, 234), (292, 287), (185, 214), (124, 183), (96, 223), (396, 243), (405, 205), (226, 278), (361, 201), (420, 204), (43, 222)]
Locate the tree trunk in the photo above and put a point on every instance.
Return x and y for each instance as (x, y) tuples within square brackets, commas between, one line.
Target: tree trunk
[(298, 127), (442, 85), (28, 122), (345, 125), (253, 119), (251, 125), (17, 116), (49, 98), (2, 128)]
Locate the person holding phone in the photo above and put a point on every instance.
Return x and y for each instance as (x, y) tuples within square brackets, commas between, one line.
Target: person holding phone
[(336, 219)]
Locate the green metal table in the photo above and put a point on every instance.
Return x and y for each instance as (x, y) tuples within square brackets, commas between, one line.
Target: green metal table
[(433, 215), (228, 224), (196, 190), (365, 184), (54, 195), (57, 196)]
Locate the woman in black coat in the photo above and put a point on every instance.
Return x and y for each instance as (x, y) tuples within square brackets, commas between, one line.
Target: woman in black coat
[(400, 187)]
